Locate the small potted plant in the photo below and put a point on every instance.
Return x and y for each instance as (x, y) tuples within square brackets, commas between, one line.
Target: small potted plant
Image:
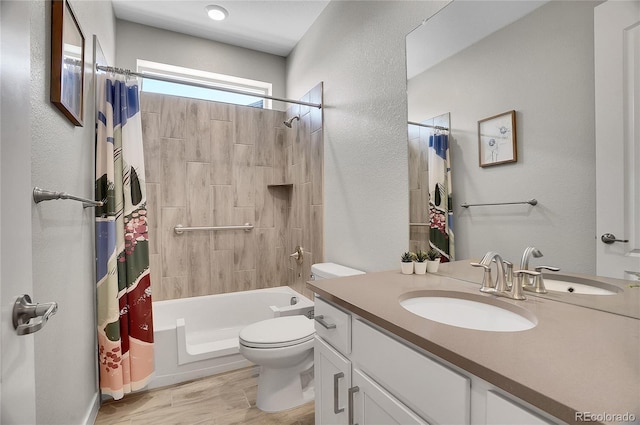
[(406, 264), (420, 264), (433, 260)]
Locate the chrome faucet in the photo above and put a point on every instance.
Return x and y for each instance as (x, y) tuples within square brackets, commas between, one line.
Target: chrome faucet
[(488, 285), (533, 281), (501, 285), (528, 252)]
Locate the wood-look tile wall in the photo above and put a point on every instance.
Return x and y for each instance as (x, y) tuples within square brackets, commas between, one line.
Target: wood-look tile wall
[(216, 164), (418, 188)]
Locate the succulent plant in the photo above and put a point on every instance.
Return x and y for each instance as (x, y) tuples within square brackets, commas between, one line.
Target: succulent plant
[(407, 257), (433, 254), (421, 256)]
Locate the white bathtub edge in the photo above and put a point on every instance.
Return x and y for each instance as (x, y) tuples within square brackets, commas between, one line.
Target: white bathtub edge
[(176, 378)]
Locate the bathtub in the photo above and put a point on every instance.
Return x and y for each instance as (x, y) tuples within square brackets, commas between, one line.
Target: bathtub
[(197, 337)]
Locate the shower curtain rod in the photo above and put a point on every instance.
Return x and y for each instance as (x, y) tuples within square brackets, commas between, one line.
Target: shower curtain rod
[(437, 127), (200, 85)]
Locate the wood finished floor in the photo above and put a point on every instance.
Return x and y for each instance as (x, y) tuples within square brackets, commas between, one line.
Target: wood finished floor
[(229, 398)]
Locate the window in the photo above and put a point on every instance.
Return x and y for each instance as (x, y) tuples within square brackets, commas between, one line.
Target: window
[(203, 77)]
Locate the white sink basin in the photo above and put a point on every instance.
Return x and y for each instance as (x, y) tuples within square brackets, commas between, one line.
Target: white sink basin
[(576, 285), (469, 311)]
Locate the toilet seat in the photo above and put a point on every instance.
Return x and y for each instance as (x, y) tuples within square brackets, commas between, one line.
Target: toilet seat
[(278, 332)]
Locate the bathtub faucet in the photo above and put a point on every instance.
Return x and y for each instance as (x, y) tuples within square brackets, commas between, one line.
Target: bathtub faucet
[(293, 301)]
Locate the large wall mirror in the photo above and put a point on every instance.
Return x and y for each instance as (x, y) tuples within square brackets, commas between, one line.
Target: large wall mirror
[(478, 59)]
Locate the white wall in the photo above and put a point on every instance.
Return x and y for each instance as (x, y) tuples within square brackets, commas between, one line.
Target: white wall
[(63, 233), (541, 66), (136, 41), (357, 48)]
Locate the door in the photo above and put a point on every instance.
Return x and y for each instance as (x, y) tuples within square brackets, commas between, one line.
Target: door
[(373, 405), (617, 96), (17, 381), (332, 375)]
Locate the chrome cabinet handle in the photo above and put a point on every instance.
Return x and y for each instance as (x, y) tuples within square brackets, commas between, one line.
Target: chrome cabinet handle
[(24, 311), (610, 238), (352, 391), (327, 325), (336, 408)]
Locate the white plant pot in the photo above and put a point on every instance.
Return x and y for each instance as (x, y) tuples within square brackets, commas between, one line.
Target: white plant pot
[(432, 266), (420, 267), (407, 268)]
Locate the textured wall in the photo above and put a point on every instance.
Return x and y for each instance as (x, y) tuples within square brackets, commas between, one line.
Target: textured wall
[(552, 90), (137, 41), (216, 164), (357, 48), (63, 232)]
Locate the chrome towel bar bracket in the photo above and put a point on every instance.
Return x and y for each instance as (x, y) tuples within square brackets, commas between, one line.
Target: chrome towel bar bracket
[(40, 195)]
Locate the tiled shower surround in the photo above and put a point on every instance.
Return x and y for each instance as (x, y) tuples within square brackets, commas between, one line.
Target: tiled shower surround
[(216, 164)]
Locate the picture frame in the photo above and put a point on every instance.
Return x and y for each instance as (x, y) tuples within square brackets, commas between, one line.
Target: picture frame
[(497, 140), (67, 62)]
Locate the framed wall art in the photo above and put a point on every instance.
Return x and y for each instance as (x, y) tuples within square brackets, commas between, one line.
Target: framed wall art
[(497, 139), (67, 61)]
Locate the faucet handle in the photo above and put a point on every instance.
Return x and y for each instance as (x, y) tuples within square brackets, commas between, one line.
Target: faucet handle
[(552, 268), (519, 283), (538, 282), (509, 273), (488, 285)]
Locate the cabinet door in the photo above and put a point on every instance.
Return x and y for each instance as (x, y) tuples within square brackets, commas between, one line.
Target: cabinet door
[(332, 376), (373, 405), (501, 411)]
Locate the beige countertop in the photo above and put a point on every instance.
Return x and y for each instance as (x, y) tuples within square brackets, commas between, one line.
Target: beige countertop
[(575, 360)]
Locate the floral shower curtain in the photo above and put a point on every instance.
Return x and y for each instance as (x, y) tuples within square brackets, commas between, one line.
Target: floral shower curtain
[(125, 322), (440, 205)]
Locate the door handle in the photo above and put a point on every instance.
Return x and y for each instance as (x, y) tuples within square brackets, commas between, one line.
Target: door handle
[(28, 317), (610, 238)]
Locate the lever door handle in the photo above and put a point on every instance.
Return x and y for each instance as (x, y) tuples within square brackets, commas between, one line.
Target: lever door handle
[(610, 238), (28, 317)]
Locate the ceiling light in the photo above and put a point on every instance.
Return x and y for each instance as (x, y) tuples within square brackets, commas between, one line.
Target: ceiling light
[(217, 13)]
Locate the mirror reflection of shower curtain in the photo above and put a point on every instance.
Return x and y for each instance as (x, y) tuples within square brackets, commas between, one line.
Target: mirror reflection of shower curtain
[(440, 205)]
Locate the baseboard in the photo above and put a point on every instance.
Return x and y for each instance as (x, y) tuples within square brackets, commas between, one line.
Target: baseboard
[(92, 412)]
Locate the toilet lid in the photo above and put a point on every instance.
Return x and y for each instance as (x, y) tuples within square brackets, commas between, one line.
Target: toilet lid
[(278, 332)]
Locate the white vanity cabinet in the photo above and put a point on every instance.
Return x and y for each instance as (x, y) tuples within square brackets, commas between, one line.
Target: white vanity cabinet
[(372, 404), (332, 369), (345, 394), (363, 376)]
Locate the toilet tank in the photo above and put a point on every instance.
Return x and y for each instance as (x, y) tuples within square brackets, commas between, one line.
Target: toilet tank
[(331, 270)]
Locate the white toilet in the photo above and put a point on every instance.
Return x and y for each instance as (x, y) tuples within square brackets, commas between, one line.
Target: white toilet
[(283, 348)]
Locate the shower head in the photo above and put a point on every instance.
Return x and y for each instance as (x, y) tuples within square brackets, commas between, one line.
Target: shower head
[(290, 120)]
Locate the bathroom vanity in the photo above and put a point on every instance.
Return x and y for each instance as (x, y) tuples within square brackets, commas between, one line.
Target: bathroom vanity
[(376, 362)]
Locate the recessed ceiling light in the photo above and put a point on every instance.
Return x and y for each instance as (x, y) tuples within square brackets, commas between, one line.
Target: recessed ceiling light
[(217, 13)]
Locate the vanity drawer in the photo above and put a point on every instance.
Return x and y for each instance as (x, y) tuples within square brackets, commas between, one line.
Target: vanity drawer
[(333, 325), (432, 390), (502, 411)]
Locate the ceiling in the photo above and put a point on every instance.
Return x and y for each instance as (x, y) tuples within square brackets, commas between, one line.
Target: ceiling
[(459, 25), (271, 26)]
